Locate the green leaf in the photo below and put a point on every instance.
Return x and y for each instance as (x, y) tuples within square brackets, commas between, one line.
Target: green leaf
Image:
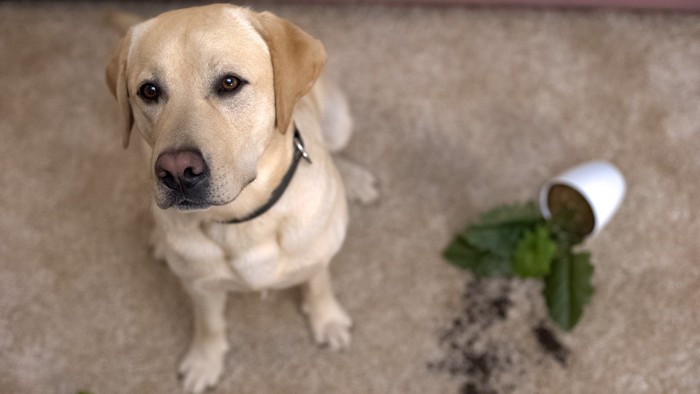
[(486, 247), (568, 287), (533, 254), (461, 254), (499, 230), (499, 240), (483, 264)]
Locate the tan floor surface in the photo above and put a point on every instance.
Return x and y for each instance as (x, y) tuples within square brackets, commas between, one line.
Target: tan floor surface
[(456, 110)]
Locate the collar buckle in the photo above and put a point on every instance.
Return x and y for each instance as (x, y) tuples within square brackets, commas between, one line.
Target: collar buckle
[(299, 144)]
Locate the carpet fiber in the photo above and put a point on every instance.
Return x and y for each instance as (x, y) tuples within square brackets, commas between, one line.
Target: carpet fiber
[(456, 110)]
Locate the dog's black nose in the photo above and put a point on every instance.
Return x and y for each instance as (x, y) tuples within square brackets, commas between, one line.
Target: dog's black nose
[(181, 170)]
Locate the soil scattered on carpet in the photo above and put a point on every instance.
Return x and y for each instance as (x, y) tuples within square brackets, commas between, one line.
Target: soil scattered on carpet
[(550, 344), (475, 349)]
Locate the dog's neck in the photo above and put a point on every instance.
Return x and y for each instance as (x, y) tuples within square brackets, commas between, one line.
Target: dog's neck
[(298, 154), (276, 168)]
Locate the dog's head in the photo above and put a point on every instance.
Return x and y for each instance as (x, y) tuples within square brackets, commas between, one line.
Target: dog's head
[(208, 88)]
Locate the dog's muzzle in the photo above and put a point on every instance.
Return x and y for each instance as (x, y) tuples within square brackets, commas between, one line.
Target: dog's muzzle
[(185, 176)]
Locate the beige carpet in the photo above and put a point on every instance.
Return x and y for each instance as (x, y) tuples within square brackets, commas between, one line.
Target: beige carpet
[(456, 110)]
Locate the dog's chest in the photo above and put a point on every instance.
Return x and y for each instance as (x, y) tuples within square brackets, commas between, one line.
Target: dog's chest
[(257, 259)]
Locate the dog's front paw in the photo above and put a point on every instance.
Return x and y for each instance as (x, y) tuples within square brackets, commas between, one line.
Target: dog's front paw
[(330, 326), (202, 366)]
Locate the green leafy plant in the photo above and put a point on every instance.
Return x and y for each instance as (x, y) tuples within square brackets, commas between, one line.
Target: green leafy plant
[(534, 253), (515, 240)]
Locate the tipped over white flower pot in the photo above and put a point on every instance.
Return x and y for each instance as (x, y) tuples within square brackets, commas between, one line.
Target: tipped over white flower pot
[(592, 190)]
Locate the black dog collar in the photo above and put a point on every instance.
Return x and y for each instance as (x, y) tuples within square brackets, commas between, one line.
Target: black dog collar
[(299, 153)]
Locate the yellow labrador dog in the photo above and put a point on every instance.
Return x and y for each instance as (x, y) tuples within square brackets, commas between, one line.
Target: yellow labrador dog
[(239, 129)]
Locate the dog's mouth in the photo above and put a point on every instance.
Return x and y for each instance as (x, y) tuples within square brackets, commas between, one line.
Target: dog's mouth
[(187, 205), (193, 202)]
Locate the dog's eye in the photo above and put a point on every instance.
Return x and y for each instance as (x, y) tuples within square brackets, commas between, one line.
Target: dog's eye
[(229, 83), (149, 92)]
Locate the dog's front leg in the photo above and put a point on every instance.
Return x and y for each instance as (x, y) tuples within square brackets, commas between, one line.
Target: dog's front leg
[(203, 270), (329, 322), (204, 362)]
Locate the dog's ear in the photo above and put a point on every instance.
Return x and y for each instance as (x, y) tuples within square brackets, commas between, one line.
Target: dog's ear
[(297, 61), (115, 74)]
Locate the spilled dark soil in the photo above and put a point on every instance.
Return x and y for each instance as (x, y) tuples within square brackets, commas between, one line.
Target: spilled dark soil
[(550, 343), (485, 361)]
